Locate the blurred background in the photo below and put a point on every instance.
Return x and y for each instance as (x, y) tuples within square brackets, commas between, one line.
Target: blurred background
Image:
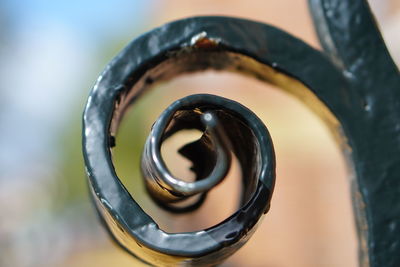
[(51, 53)]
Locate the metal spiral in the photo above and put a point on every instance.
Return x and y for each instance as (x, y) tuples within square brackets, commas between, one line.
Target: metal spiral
[(210, 155), (347, 89), (344, 84), (227, 127)]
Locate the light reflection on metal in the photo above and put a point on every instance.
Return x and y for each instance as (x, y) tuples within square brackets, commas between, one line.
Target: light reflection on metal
[(355, 90), (210, 156)]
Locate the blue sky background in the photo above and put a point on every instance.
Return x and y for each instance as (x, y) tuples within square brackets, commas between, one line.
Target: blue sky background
[(51, 54), (84, 16)]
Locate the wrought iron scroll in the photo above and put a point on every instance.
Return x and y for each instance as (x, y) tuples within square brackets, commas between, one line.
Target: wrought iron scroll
[(353, 85)]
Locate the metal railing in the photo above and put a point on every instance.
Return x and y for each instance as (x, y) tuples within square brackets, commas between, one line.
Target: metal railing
[(353, 85)]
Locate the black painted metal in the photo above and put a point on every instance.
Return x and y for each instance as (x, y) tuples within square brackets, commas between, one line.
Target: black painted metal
[(210, 154), (350, 36), (356, 91)]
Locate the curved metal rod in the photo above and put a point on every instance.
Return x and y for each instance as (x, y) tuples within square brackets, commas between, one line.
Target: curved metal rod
[(350, 36), (219, 43), (162, 184), (355, 92)]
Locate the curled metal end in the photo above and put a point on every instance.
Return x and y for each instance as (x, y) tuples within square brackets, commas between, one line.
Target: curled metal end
[(228, 129), (210, 155)]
